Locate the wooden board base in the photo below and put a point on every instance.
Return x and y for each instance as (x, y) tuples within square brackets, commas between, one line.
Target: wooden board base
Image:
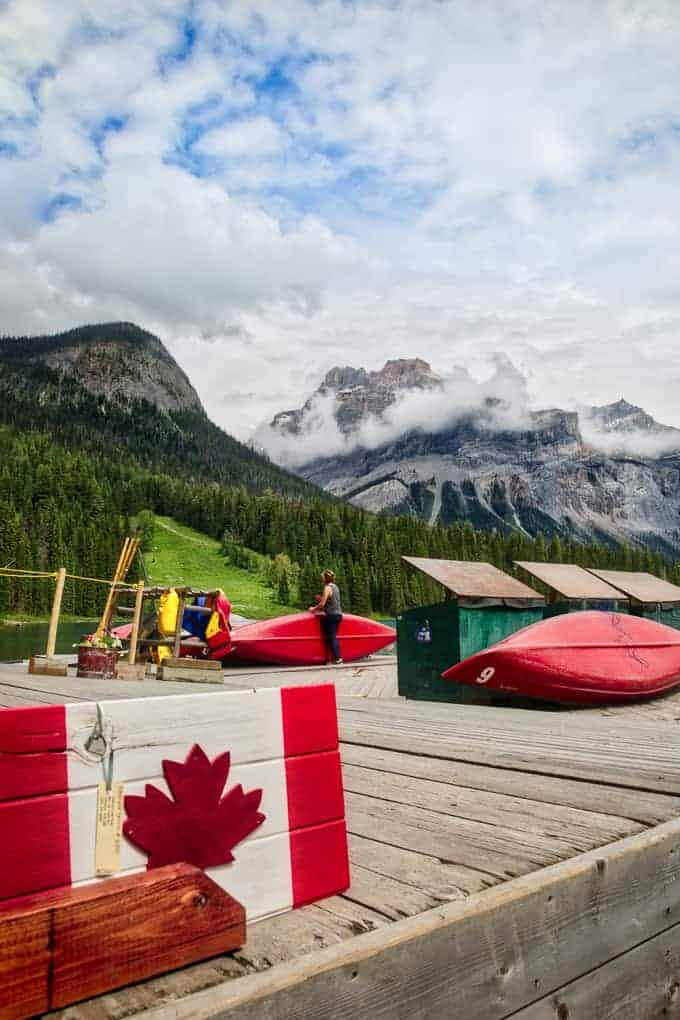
[(70, 944), (187, 663), (191, 674), (127, 672), (43, 665)]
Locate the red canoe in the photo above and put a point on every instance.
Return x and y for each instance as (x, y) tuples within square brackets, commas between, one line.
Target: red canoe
[(296, 640), (582, 658)]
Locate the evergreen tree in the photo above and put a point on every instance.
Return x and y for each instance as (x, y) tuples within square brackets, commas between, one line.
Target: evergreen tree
[(284, 589), (361, 590)]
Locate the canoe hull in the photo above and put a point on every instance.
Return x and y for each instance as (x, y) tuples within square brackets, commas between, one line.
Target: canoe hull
[(296, 640), (580, 658)]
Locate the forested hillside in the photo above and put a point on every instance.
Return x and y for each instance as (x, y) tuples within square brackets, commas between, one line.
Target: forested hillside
[(84, 386), (60, 506)]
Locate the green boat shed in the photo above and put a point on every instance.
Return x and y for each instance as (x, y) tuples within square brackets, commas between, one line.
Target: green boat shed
[(650, 596), (572, 589), (483, 606)]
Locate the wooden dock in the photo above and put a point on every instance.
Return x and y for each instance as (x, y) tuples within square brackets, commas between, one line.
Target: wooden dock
[(504, 863)]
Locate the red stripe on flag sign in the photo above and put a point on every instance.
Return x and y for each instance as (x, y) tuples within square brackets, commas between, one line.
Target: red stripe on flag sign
[(310, 719), (32, 741), (27, 775), (32, 729), (319, 862), (35, 851), (314, 788)]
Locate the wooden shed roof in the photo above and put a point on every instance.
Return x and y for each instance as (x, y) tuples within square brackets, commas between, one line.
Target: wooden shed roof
[(473, 580), (640, 586), (571, 581)]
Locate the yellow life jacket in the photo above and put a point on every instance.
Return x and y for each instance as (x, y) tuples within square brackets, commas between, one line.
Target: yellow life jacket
[(167, 620), (214, 625), (167, 612)]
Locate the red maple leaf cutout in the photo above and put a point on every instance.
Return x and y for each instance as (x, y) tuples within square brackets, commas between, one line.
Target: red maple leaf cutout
[(199, 826)]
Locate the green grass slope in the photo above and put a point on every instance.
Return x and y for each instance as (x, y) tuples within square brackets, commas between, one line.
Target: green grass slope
[(180, 555)]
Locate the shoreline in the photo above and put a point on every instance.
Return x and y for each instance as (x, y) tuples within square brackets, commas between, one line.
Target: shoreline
[(25, 621)]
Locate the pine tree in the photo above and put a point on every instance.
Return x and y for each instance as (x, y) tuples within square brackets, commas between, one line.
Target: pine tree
[(284, 590), (310, 584), (361, 590)]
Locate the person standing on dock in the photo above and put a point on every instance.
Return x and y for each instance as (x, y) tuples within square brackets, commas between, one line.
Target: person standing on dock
[(329, 610)]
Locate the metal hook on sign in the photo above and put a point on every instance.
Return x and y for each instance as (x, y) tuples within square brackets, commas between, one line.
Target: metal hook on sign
[(100, 744)]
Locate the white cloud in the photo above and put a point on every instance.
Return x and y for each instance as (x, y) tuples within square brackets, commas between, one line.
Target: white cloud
[(244, 139), (497, 400), (196, 252), (307, 184)]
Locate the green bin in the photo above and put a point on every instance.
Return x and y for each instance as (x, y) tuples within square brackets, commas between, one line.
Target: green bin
[(561, 607), (651, 597), (661, 612)]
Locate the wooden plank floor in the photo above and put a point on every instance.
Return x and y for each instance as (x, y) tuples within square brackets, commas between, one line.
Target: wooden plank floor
[(371, 678), (442, 801)]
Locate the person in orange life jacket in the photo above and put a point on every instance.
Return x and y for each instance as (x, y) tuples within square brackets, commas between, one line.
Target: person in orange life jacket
[(329, 610)]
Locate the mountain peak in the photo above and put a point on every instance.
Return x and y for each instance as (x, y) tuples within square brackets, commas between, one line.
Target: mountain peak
[(358, 393), (622, 416), (406, 373), (343, 377), (116, 360)]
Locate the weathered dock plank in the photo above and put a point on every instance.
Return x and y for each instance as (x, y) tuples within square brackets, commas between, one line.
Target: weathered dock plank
[(441, 878), (496, 850), (582, 794), (498, 809), (638, 985), (639, 754)]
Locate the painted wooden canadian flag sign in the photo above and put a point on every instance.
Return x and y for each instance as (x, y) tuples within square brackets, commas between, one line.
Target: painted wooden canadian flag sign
[(245, 784)]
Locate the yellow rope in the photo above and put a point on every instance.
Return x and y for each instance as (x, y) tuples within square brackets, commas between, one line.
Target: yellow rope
[(100, 580), (15, 572)]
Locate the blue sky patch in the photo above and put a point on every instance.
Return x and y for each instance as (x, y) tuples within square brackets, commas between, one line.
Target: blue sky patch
[(58, 204), (109, 125), (187, 35)]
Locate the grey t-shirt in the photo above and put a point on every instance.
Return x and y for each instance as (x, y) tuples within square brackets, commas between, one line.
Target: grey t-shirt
[(333, 607)]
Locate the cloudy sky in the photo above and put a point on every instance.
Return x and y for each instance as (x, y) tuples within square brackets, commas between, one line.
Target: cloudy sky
[(278, 187)]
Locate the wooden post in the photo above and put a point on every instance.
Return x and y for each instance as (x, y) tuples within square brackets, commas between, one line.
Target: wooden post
[(136, 620), (56, 609), (127, 555), (103, 623)]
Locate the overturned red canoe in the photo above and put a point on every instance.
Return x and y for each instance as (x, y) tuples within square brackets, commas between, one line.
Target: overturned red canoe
[(582, 658), (293, 640), (296, 640)]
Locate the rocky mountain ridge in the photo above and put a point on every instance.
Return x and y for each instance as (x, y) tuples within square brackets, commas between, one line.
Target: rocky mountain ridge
[(117, 361), (550, 475), (115, 390)]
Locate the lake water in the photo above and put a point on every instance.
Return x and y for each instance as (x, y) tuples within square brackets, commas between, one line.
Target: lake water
[(31, 638)]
